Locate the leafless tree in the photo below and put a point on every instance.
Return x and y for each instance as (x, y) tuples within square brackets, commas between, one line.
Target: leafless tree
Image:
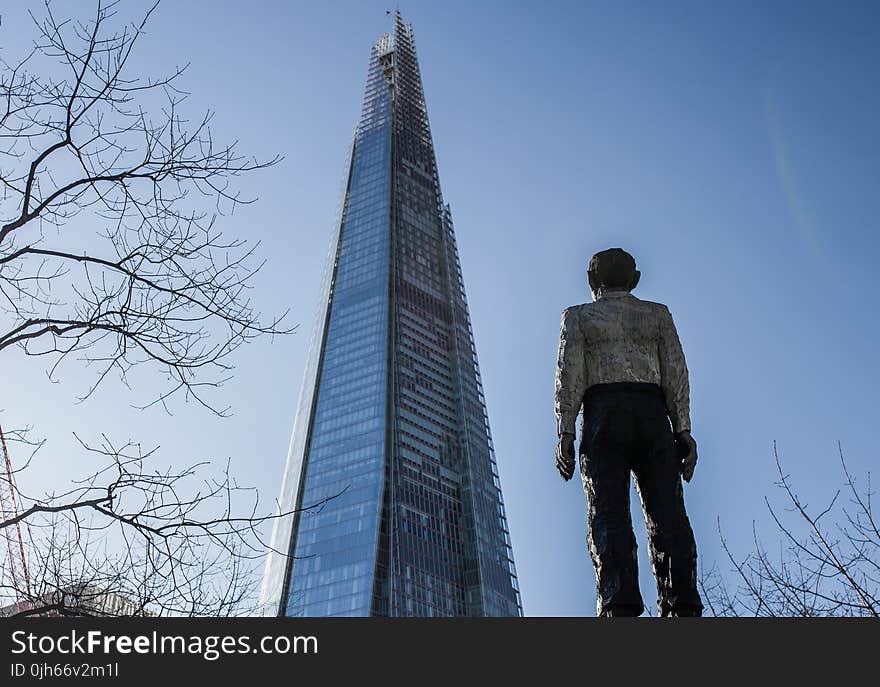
[(111, 254), (828, 562), (159, 284), (125, 540)]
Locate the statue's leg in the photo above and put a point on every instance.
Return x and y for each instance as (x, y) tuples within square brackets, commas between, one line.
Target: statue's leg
[(671, 544), (605, 471)]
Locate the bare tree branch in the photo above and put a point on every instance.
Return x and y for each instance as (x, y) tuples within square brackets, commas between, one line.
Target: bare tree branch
[(154, 282), (827, 565), (171, 542), (111, 199)]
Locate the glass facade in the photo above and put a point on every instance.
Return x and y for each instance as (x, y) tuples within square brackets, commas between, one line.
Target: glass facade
[(391, 467)]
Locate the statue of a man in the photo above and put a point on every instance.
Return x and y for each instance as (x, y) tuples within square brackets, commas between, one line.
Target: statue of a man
[(620, 360)]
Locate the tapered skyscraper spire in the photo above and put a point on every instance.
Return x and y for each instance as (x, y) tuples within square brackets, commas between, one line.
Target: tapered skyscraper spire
[(391, 434)]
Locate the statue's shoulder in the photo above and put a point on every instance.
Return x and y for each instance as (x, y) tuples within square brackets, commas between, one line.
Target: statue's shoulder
[(659, 311), (659, 308), (574, 312), (572, 317)]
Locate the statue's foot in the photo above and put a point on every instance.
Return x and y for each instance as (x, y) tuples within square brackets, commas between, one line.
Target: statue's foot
[(681, 611), (620, 612)]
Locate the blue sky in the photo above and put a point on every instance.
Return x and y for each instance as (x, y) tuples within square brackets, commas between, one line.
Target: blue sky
[(732, 148)]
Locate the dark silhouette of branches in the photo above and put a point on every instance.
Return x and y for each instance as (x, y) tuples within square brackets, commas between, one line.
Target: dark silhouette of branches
[(128, 540), (109, 245), (828, 563), (111, 253)]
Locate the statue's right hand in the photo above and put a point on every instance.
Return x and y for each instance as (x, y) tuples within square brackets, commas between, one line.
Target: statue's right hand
[(565, 456)]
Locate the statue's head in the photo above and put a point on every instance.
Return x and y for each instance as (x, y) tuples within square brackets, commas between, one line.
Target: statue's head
[(612, 270)]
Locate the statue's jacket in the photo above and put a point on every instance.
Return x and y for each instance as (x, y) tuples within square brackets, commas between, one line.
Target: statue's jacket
[(620, 338)]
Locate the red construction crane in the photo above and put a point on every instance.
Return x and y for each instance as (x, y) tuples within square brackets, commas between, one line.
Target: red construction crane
[(12, 533)]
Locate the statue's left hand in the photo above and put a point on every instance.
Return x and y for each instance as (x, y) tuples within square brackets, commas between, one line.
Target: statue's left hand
[(565, 458), (687, 451)]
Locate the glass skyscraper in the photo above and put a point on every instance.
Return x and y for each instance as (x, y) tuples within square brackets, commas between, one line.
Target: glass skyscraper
[(391, 443)]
